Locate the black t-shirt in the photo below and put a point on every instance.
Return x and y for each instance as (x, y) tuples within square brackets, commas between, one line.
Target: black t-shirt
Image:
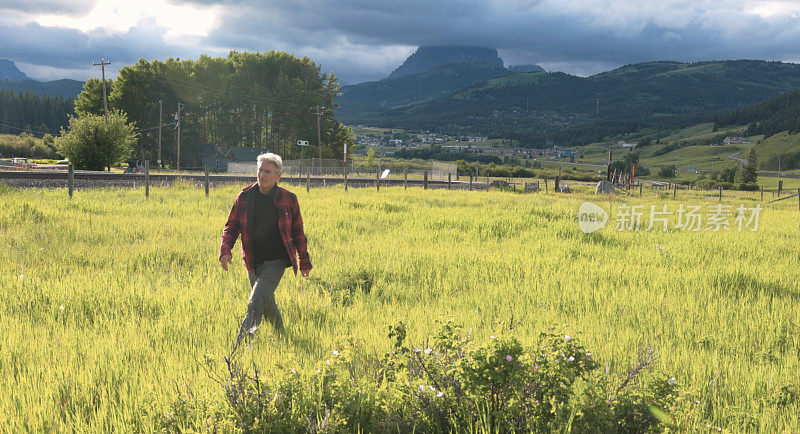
[(267, 241)]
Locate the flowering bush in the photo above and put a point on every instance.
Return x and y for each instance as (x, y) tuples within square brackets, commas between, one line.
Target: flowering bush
[(451, 383)]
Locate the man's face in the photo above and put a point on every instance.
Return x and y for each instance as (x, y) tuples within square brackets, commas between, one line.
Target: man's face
[(268, 175)]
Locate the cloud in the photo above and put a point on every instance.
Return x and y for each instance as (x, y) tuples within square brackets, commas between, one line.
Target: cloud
[(64, 7), (47, 53), (366, 39)]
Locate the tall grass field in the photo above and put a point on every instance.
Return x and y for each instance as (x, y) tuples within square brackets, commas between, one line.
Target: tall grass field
[(115, 314)]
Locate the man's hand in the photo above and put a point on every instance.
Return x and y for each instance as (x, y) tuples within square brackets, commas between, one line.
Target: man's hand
[(225, 260)]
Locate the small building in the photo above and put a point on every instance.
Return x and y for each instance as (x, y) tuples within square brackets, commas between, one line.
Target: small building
[(218, 158), (736, 141), (622, 144)]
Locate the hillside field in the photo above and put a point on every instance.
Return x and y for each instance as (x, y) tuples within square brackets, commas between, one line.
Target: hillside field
[(114, 306)]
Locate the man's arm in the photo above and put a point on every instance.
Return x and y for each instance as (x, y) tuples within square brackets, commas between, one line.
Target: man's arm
[(229, 235), (299, 239)]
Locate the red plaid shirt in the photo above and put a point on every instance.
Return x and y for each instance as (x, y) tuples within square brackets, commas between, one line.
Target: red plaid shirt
[(290, 225)]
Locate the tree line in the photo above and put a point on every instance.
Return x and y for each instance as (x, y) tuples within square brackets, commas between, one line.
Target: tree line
[(259, 100), (32, 114)]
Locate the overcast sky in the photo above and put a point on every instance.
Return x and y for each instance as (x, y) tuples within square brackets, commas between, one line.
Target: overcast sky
[(364, 40)]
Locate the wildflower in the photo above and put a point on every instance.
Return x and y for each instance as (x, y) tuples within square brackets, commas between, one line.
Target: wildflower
[(421, 388), (439, 395), (509, 358), (571, 359), (433, 389), (566, 337), (562, 385), (671, 380), (491, 337), (427, 351), (328, 361), (61, 307), (535, 367), (293, 371), (589, 355), (21, 276), (416, 350), (335, 353), (319, 371)]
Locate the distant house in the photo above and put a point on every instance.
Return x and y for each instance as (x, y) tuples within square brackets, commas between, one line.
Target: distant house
[(622, 144), (217, 158), (736, 141)]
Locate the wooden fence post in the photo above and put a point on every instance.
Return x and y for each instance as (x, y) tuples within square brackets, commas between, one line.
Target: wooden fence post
[(308, 181), (720, 195), (345, 176), (405, 178), (147, 179), (378, 180), (780, 187), (640, 188), (448, 180), (545, 185), (470, 183), (675, 192), (762, 193), (70, 180), (206, 179), (425, 181)]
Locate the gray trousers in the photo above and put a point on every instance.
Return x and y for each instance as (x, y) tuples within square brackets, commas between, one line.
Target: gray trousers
[(262, 299)]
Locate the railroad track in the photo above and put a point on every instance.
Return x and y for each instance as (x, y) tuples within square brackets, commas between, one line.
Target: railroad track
[(87, 179)]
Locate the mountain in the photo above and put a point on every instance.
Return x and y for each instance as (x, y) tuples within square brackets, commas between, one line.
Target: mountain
[(442, 80), (65, 87), (9, 71), (541, 105), (525, 68), (428, 57)]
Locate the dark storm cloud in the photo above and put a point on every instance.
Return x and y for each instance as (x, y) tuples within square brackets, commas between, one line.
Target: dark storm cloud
[(366, 39), (584, 35)]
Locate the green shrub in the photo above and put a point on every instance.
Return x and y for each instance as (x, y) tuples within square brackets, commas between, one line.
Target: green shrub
[(451, 383)]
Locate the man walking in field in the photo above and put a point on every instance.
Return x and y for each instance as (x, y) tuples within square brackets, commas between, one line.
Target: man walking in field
[(268, 219)]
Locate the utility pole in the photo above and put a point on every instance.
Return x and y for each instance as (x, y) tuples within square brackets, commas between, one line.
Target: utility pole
[(319, 140), (178, 119), (160, 109), (102, 66)]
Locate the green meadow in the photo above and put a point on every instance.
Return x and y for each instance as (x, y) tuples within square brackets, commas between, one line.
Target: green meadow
[(113, 307)]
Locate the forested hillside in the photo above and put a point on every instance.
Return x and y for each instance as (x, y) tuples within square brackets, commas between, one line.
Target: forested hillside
[(27, 112), (440, 81), (540, 108), (66, 88), (781, 113)]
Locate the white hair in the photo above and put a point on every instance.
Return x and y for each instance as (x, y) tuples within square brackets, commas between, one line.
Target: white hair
[(272, 158)]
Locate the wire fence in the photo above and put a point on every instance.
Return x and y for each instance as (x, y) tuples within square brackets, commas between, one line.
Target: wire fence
[(316, 167)]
